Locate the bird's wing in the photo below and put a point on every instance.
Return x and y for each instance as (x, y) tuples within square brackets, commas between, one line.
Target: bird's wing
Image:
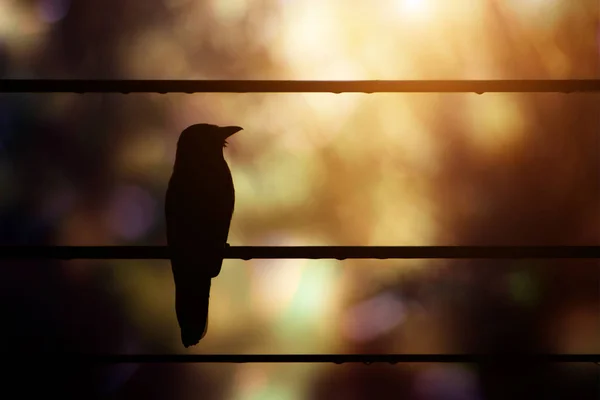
[(198, 216)]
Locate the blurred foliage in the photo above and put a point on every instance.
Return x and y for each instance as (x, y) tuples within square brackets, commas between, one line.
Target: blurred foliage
[(309, 169)]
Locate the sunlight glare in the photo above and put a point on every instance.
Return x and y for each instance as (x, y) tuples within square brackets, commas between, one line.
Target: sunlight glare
[(415, 8)]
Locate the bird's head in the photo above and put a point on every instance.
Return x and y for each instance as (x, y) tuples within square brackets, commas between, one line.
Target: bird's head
[(205, 137)]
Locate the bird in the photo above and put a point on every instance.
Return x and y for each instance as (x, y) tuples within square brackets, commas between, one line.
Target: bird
[(199, 205)]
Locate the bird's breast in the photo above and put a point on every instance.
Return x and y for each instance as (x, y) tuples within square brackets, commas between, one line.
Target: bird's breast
[(202, 186)]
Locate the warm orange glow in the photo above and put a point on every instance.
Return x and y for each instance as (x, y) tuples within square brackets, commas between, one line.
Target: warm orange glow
[(315, 169)]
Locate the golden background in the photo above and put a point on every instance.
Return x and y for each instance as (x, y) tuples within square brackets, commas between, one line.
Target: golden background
[(315, 169)]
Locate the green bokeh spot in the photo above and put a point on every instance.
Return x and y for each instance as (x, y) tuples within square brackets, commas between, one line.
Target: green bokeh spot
[(524, 288), (273, 392)]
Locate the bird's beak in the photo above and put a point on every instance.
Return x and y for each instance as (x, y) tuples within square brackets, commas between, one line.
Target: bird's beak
[(229, 130)]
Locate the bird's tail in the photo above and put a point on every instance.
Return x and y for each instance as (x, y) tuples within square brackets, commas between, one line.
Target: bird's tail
[(192, 295)]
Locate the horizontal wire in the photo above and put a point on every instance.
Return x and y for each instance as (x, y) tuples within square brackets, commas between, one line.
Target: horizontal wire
[(296, 86), (305, 358), (306, 252)]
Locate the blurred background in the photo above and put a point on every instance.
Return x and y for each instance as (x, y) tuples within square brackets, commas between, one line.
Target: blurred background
[(309, 169)]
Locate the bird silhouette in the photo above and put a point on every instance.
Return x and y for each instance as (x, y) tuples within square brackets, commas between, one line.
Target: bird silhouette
[(199, 205)]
